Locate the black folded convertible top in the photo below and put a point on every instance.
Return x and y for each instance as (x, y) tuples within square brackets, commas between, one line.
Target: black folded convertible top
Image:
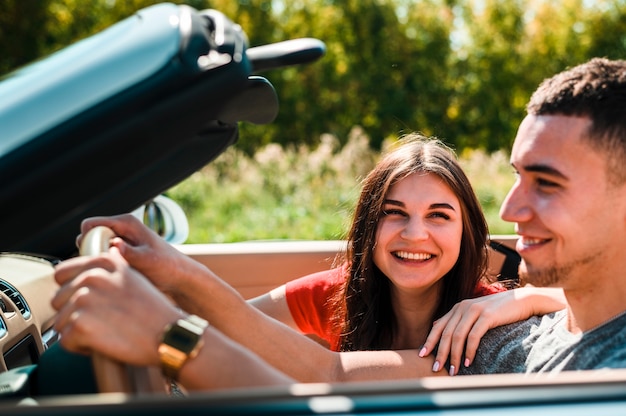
[(112, 121)]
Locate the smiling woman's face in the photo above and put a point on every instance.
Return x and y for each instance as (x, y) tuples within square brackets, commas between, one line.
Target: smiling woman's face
[(419, 234)]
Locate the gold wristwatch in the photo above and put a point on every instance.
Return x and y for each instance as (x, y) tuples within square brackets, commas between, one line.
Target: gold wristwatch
[(181, 342)]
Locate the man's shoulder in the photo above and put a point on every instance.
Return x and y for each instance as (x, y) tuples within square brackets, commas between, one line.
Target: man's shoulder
[(504, 349), (526, 327), (608, 343)]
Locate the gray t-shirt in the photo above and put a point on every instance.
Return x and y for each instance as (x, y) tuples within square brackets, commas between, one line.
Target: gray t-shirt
[(544, 345)]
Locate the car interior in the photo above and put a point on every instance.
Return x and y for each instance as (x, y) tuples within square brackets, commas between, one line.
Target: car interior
[(160, 96)]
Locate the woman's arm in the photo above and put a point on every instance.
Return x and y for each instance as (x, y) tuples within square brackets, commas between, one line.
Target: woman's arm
[(291, 353), (460, 330), (274, 304)]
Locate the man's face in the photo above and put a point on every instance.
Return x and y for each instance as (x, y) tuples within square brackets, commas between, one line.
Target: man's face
[(567, 214)]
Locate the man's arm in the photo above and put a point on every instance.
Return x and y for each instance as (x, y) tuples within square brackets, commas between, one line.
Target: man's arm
[(205, 294), (197, 290)]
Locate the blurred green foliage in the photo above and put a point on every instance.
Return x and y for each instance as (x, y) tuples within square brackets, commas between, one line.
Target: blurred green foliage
[(307, 193), (459, 69)]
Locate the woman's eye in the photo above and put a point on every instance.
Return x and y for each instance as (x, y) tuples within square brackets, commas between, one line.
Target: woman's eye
[(388, 212), (440, 215)]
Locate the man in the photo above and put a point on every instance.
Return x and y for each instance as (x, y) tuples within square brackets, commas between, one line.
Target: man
[(569, 204), (569, 207)]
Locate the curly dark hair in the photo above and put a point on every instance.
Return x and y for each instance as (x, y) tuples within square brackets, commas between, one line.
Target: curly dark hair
[(595, 89), (364, 314)]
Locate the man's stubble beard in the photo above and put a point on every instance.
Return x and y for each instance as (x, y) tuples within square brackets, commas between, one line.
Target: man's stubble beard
[(552, 276)]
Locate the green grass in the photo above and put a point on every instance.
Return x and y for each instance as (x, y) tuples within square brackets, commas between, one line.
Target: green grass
[(301, 193), (491, 176)]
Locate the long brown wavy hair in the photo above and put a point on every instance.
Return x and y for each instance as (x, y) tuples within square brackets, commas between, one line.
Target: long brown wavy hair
[(364, 315)]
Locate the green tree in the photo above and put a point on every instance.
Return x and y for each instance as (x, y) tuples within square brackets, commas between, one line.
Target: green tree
[(380, 72), (606, 28), (459, 69), (30, 29), (484, 75), (22, 39), (505, 48)]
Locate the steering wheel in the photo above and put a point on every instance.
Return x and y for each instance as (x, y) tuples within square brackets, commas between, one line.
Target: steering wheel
[(113, 376)]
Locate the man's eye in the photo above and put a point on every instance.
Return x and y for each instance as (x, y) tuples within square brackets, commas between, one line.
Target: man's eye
[(546, 183)]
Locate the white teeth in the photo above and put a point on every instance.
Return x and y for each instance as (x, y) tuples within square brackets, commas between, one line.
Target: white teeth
[(531, 241), (412, 256)]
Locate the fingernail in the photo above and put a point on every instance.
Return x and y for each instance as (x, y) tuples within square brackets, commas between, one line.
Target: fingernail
[(467, 362), (452, 368), (422, 352), (436, 367)]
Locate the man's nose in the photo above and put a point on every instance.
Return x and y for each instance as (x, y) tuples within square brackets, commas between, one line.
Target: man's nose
[(515, 207)]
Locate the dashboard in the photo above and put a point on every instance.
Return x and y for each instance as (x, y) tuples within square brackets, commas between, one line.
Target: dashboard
[(26, 316)]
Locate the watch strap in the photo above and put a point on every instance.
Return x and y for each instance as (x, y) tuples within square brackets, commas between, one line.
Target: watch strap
[(182, 340)]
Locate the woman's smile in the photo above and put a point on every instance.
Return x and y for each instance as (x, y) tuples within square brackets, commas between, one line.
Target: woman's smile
[(419, 233), (405, 255)]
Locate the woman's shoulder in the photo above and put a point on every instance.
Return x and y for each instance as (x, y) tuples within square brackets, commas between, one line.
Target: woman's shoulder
[(325, 278), (484, 288)]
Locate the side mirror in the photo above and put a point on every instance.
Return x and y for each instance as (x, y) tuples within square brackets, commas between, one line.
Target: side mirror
[(166, 218)]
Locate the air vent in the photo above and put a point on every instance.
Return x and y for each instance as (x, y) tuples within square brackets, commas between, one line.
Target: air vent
[(17, 299)]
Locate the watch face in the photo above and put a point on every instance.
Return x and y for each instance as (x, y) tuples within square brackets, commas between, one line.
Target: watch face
[(181, 338)]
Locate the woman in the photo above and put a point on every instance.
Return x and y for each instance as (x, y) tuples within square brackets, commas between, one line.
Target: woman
[(426, 256), (357, 306)]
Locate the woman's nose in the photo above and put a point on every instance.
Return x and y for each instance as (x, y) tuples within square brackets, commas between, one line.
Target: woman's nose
[(415, 229)]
